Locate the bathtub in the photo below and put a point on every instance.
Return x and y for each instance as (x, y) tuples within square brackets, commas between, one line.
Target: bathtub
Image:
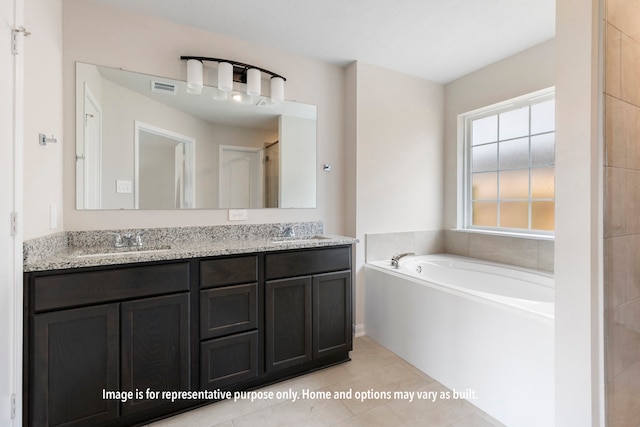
[(474, 326)]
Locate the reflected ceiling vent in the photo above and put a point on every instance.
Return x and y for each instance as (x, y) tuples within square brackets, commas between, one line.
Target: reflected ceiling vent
[(162, 87)]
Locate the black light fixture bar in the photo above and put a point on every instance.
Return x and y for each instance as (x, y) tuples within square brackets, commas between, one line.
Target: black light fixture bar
[(240, 65)]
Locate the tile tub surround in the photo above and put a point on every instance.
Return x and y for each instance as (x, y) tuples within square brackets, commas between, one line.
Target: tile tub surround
[(372, 366), (621, 212), (522, 252), (519, 251), (51, 253), (381, 246)]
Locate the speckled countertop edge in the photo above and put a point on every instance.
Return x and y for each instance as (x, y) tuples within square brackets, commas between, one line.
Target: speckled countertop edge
[(229, 242)]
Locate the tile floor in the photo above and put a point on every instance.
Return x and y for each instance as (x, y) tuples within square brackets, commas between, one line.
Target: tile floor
[(372, 367)]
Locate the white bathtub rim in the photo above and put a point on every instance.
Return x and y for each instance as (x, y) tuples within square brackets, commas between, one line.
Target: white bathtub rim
[(542, 311)]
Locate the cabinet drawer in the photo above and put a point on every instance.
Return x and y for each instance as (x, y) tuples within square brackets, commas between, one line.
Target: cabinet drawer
[(91, 287), (228, 360), (306, 262), (228, 271), (228, 310)]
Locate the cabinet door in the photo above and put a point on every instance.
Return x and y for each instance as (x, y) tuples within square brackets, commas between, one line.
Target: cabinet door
[(155, 348), (75, 357), (331, 313), (288, 322), (225, 311), (228, 360)]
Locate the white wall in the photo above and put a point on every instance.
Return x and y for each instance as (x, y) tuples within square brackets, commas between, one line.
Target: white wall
[(525, 72), (578, 238), (99, 34), (43, 114), (399, 157)]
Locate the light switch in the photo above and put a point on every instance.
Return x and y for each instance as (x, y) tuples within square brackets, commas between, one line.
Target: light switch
[(124, 187), (237, 214)]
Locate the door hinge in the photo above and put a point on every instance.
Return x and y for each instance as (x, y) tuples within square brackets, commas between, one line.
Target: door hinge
[(17, 38), (13, 406), (14, 223)]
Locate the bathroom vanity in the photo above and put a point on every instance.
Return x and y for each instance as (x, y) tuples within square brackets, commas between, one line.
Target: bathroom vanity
[(196, 319)]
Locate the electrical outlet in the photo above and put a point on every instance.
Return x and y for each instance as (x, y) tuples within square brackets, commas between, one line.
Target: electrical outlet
[(237, 214), (124, 187)]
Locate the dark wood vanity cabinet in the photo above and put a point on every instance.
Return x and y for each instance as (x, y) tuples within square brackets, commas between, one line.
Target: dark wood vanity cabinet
[(230, 322), (230, 301), (308, 316), (121, 338)]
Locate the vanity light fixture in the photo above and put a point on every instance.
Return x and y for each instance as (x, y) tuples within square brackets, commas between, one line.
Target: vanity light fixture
[(194, 76), (229, 72)]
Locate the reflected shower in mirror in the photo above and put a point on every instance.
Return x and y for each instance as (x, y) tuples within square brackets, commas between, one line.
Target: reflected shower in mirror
[(143, 142)]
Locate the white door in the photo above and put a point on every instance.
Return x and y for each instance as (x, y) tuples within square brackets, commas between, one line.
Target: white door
[(241, 177), (92, 159), (179, 178), (11, 130)]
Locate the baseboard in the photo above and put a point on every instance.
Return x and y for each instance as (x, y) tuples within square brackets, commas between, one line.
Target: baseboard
[(358, 330)]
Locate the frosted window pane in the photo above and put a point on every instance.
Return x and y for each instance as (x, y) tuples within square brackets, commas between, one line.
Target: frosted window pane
[(543, 216), (543, 149), (543, 117), (485, 214), (514, 214), (484, 130), (514, 184), (514, 154), (542, 183), (485, 157), (484, 186), (514, 123)]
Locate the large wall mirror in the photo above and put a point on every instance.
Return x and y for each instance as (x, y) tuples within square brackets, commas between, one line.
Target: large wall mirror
[(143, 142)]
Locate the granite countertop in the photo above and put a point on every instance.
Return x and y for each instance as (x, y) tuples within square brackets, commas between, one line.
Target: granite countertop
[(97, 252)]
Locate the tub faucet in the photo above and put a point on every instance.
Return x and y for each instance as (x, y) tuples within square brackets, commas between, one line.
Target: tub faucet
[(396, 258)]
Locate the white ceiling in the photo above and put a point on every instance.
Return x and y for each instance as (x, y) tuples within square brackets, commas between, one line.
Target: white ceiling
[(439, 40)]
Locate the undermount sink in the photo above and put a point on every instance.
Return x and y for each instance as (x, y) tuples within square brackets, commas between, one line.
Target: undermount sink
[(305, 239), (103, 252)]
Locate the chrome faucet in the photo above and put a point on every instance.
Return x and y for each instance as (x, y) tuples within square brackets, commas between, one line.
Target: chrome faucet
[(396, 258), (288, 231), (127, 239)]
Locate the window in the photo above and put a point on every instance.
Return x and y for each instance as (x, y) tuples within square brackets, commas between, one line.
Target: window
[(509, 166)]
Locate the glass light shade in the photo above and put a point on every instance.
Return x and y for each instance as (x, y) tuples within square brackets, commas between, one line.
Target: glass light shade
[(277, 90), (194, 76), (253, 82), (225, 76)]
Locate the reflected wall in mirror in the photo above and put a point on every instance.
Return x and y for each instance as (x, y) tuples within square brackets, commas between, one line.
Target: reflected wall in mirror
[(143, 142)]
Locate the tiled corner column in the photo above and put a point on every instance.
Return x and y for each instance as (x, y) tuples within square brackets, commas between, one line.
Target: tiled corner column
[(622, 212)]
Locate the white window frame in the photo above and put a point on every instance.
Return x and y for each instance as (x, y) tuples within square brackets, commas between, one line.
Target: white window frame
[(465, 213)]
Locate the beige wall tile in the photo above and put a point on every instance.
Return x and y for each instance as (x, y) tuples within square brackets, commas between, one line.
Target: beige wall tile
[(614, 202), (629, 66), (625, 15), (429, 242), (632, 206), (622, 270), (546, 254), (456, 242), (623, 398), (385, 245), (612, 61), (623, 338), (510, 250)]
